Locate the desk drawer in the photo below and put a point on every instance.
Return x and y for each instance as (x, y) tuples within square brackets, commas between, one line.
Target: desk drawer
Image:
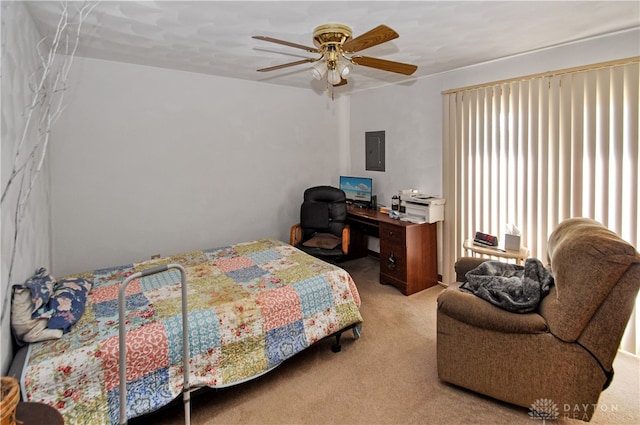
[(393, 261), (392, 235)]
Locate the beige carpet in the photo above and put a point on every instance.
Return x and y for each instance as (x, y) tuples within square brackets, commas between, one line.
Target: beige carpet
[(388, 376)]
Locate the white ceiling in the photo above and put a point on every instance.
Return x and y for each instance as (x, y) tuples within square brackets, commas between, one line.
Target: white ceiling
[(214, 37)]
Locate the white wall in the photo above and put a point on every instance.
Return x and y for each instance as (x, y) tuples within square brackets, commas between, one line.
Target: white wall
[(149, 161), (412, 149), (19, 39)]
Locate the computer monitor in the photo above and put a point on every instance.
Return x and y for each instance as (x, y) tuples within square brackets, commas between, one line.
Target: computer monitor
[(358, 190)]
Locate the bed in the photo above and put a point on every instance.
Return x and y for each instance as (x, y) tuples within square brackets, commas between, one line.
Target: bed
[(251, 306)]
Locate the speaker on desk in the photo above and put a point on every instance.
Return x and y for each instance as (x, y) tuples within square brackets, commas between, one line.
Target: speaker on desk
[(374, 202)]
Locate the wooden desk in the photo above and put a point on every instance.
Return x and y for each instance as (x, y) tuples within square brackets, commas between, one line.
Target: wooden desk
[(518, 256), (408, 251)]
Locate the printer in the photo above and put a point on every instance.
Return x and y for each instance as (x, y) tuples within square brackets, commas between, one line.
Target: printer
[(417, 207)]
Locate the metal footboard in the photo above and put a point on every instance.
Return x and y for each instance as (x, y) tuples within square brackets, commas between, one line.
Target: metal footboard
[(123, 346)]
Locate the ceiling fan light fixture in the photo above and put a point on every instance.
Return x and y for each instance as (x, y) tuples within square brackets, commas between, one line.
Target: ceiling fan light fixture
[(318, 70), (343, 69), (333, 76)]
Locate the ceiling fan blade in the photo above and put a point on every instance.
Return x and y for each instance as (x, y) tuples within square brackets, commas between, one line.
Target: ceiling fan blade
[(385, 65), (286, 65), (286, 43), (378, 35)]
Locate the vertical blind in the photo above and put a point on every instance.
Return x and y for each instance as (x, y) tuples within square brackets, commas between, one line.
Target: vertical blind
[(537, 150)]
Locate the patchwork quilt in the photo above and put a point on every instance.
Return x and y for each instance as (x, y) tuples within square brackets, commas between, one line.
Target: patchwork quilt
[(251, 306)]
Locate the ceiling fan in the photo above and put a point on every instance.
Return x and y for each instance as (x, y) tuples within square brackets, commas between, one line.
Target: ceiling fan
[(337, 49)]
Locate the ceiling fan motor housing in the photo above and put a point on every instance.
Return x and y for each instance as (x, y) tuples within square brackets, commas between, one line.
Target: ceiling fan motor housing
[(331, 34)]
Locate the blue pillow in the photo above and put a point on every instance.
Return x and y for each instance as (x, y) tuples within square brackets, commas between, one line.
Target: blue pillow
[(41, 287), (67, 303)]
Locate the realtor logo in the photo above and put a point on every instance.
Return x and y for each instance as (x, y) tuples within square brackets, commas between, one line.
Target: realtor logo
[(545, 409)]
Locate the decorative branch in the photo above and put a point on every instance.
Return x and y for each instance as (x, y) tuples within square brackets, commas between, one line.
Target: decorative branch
[(43, 94), (48, 86)]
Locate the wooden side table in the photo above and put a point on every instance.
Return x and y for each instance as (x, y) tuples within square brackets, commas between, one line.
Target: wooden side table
[(33, 413), (518, 256)]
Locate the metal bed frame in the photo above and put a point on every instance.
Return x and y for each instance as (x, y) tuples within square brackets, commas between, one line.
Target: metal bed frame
[(122, 332)]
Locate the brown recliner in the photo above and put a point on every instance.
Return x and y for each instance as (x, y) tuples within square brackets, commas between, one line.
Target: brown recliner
[(560, 355)]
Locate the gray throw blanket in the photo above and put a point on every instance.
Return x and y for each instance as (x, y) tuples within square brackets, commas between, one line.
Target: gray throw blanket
[(515, 288)]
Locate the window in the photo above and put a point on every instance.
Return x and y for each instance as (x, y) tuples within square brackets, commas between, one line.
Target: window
[(541, 149)]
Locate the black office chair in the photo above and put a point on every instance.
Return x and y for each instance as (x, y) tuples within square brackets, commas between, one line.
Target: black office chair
[(322, 231)]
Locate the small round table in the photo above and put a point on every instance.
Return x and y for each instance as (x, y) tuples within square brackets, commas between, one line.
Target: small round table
[(518, 256), (33, 413)]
